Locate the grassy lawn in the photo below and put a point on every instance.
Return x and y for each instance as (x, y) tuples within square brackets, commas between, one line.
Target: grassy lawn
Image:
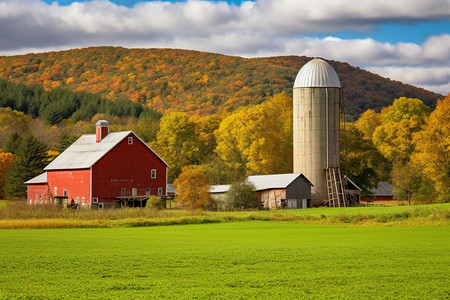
[(229, 260)]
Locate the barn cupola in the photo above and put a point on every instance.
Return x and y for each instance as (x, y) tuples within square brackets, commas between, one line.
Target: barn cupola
[(102, 130)]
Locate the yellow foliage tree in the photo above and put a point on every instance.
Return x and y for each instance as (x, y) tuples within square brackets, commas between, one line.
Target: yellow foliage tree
[(394, 137), (433, 148), (368, 122), (6, 160), (258, 139), (192, 187)]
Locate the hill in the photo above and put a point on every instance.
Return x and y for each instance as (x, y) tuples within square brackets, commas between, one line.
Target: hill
[(183, 80)]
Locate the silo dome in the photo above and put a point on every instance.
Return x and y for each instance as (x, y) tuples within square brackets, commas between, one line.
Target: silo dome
[(317, 73)]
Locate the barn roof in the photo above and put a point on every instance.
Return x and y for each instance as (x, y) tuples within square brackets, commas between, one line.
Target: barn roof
[(274, 181), (85, 152), (42, 178), (383, 189)]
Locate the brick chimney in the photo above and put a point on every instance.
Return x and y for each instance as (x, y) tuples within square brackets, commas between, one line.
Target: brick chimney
[(101, 130)]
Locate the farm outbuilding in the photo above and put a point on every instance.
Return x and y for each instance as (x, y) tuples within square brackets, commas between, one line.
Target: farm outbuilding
[(274, 191), (101, 170)]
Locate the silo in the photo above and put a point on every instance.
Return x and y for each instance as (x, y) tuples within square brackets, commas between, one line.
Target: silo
[(317, 94)]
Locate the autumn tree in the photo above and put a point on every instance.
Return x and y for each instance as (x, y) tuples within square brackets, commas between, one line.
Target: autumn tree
[(258, 139), (368, 122), (176, 143), (32, 157), (394, 137), (6, 160), (192, 188), (433, 148)]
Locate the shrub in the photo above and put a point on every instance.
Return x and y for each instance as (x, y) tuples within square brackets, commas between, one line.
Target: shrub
[(155, 202), (241, 196)]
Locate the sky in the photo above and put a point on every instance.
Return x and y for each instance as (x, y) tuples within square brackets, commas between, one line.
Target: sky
[(405, 40)]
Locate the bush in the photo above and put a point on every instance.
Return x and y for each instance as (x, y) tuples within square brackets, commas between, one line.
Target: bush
[(155, 202), (242, 196)]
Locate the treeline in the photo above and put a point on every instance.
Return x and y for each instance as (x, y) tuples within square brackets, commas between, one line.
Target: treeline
[(406, 144), (56, 105), (169, 80)]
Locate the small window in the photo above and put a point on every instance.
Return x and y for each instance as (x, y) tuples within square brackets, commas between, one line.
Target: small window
[(160, 191), (56, 191), (82, 200), (134, 191), (100, 206), (130, 140), (95, 200), (153, 173), (147, 191), (65, 193)]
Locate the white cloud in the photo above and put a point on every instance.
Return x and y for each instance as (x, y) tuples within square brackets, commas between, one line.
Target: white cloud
[(261, 28)]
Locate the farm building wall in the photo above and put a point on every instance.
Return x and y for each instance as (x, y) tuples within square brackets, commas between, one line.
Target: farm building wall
[(76, 183), (37, 193), (300, 188), (271, 199), (126, 170)]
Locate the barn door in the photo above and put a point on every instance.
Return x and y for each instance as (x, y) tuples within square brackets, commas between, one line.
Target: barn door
[(134, 191)]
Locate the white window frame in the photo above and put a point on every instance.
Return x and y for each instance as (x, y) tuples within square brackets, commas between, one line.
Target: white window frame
[(130, 140), (133, 192), (147, 191), (160, 191), (153, 174), (95, 200), (83, 200), (56, 191), (101, 206)]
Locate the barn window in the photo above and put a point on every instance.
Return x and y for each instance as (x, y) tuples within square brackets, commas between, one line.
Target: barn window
[(130, 140), (56, 191), (123, 191), (147, 191), (153, 173), (134, 191), (160, 190), (82, 200), (95, 200), (65, 193), (100, 206)]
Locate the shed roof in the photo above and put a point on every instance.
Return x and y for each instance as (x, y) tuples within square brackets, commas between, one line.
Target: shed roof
[(85, 152), (317, 73), (274, 181), (41, 178), (218, 189), (383, 189)]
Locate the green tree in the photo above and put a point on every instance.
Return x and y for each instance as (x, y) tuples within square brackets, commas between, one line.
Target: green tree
[(32, 157), (6, 160), (192, 188), (361, 161), (241, 195)]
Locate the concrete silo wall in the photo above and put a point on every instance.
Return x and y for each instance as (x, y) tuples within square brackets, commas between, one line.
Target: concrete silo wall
[(310, 136)]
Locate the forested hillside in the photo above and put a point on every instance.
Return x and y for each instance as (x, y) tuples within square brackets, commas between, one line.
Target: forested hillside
[(181, 80)]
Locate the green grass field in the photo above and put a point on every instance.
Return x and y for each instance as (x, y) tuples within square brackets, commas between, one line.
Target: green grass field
[(272, 260)]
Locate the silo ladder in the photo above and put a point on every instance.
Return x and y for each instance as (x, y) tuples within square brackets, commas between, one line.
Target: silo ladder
[(336, 195)]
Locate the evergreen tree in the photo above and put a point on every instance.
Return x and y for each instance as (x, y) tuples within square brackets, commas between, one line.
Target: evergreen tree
[(32, 158)]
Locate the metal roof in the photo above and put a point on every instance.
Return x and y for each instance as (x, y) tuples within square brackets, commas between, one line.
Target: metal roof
[(383, 189), (273, 181), (42, 178), (317, 73), (85, 152), (217, 189)]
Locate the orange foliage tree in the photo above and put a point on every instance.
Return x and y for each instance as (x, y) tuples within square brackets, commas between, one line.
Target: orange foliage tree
[(6, 160)]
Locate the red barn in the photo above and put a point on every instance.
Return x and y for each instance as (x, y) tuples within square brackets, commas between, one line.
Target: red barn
[(101, 170)]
